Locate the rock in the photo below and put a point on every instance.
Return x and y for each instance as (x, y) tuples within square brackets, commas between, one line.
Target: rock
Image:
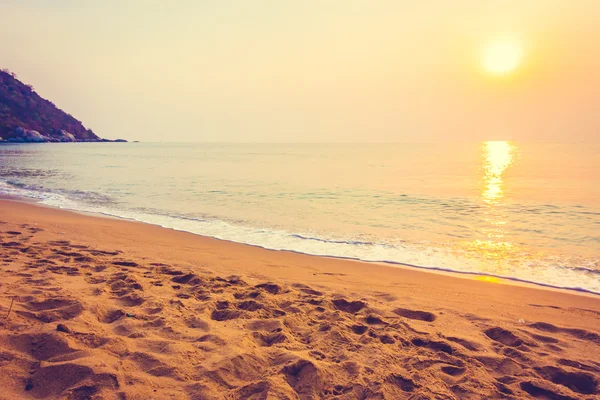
[(63, 328), (29, 136), (22, 135), (64, 136)]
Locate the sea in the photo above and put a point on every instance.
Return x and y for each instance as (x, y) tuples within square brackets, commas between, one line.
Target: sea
[(522, 211)]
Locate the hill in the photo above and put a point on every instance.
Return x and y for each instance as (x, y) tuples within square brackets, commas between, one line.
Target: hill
[(27, 117)]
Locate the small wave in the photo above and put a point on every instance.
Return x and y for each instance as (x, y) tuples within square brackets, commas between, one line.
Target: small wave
[(587, 270), (22, 189), (16, 184), (350, 242)]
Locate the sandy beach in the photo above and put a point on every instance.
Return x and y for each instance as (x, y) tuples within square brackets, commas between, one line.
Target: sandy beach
[(112, 309)]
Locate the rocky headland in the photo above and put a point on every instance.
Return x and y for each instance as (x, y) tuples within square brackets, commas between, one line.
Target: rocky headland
[(26, 117)]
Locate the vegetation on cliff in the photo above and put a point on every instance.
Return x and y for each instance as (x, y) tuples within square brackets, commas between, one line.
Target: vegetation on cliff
[(22, 107)]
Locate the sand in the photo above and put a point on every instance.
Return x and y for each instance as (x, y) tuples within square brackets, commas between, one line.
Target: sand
[(112, 309)]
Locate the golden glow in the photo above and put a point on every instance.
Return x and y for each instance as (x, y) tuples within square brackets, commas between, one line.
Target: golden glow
[(498, 156), (486, 278), (502, 57), (491, 249)]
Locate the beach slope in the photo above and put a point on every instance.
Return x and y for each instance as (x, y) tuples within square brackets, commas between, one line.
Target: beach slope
[(99, 308)]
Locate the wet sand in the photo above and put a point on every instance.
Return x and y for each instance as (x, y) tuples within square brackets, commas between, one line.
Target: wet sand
[(112, 309)]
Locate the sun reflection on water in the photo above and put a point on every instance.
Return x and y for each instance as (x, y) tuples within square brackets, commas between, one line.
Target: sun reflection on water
[(498, 156), (492, 244)]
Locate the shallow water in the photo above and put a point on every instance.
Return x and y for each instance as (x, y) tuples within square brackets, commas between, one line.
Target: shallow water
[(525, 211)]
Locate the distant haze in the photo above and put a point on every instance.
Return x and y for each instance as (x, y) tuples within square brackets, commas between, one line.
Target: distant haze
[(310, 70)]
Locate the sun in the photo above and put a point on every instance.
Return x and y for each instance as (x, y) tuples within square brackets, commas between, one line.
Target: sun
[(502, 57)]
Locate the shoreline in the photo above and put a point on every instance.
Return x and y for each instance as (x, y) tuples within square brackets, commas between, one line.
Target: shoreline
[(124, 309), (478, 276), (361, 265)]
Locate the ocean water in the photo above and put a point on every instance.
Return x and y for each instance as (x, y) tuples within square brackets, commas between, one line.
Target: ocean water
[(524, 211)]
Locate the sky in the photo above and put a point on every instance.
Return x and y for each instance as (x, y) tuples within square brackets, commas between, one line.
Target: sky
[(311, 70)]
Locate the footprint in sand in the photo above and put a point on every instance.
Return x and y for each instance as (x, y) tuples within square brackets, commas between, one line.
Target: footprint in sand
[(580, 382), (469, 345), (433, 345), (269, 287), (453, 371), (225, 315), (415, 314), (503, 336), (54, 380), (351, 307), (52, 309), (110, 316), (577, 333), (268, 339), (46, 347), (125, 263)]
